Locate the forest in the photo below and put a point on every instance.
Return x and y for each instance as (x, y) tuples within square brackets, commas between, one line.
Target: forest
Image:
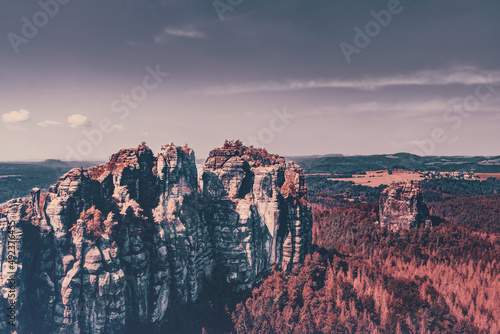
[(337, 193), (358, 164), (365, 279), (361, 278)]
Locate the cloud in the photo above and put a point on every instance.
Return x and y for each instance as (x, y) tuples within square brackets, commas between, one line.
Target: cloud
[(461, 75), (190, 33), (16, 116), (48, 123), (431, 109), (136, 44), (78, 120), (401, 109), (170, 33)]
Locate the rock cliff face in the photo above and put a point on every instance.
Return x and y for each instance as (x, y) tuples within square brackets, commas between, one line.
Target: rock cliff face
[(122, 243), (258, 212), (402, 206)]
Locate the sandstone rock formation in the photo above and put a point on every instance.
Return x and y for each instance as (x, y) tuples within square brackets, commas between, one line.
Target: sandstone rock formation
[(258, 213), (124, 242), (402, 206)]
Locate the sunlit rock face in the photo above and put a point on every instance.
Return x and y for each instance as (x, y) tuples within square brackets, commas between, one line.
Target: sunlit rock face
[(258, 213), (122, 243), (402, 206)]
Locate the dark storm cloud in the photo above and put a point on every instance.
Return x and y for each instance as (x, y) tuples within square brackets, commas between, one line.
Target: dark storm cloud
[(275, 39)]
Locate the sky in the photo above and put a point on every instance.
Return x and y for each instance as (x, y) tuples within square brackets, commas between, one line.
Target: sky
[(81, 79)]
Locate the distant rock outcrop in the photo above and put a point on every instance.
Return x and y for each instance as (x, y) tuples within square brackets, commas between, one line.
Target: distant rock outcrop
[(122, 243), (402, 206)]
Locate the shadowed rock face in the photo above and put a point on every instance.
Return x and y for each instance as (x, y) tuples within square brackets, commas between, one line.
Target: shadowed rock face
[(402, 206), (123, 242)]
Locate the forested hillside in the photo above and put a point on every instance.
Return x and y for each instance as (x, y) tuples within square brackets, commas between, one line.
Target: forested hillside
[(367, 279)]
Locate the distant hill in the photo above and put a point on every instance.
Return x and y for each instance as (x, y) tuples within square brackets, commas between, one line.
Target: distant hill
[(18, 178), (55, 163), (337, 164), (315, 156)]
